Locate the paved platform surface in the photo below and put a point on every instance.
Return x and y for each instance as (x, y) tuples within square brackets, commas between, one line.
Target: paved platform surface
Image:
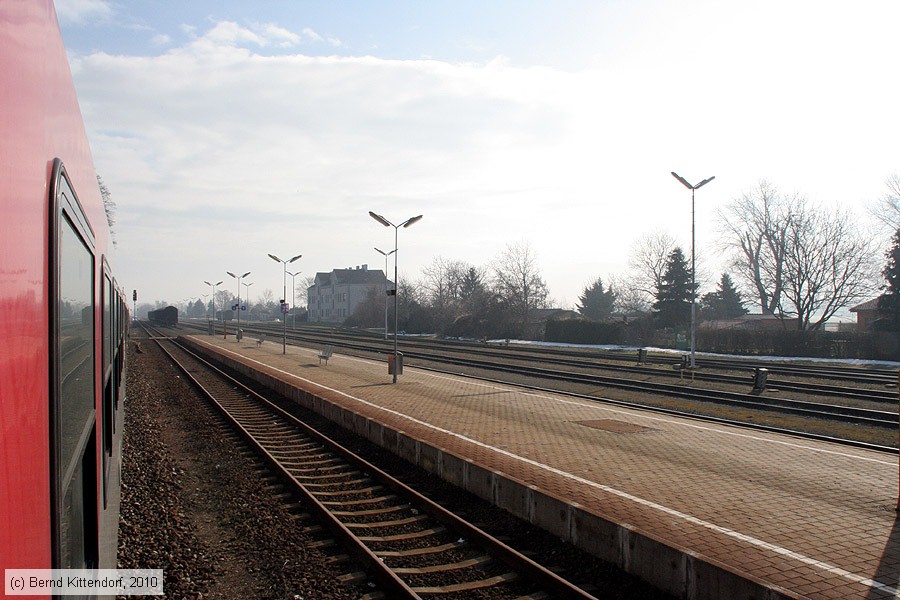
[(813, 518)]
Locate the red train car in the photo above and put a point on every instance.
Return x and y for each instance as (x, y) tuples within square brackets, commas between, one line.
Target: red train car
[(63, 319)]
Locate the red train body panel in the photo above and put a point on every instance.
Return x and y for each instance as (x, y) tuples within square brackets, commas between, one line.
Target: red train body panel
[(62, 316)]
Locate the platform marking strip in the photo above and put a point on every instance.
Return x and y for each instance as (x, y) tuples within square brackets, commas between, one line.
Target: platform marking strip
[(871, 583)]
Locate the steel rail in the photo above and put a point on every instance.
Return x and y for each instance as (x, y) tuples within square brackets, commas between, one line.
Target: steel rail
[(544, 578), (846, 414), (588, 360)]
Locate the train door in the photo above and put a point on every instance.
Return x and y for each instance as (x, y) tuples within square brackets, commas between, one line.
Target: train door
[(73, 432)]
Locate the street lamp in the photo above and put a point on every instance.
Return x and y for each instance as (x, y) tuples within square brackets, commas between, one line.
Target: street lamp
[(247, 297), (385, 254), (294, 297), (237, 334), (693, 189), (284, 299), (387, 223), (213, 286)]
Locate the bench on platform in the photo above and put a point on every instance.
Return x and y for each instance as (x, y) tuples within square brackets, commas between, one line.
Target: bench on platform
[(260, 340), (325, 354)]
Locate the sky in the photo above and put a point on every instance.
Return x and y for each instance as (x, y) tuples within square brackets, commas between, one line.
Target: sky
[(227, 130)]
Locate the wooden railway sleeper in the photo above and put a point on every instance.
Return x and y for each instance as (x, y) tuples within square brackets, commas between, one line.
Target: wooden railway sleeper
[(397, 523), (458, 545), (365, 490), (326, 463), (303, 477), (443, 568), (373, 511), (388, 498), (467, 586), (405, 536)]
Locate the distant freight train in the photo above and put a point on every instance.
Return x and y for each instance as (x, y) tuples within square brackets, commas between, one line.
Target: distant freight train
[(167, 317), (63, 316)]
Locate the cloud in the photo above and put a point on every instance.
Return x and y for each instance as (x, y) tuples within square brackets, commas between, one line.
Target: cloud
[(161, 39), (229, 34), (83, 11), (212, 141), (227, 148)]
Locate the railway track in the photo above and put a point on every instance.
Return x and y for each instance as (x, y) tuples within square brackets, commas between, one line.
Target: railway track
[(652, 366), (411, 546), (505, 363), (857, 374)]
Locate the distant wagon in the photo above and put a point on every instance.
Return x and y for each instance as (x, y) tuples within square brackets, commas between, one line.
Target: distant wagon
[(167, 316)]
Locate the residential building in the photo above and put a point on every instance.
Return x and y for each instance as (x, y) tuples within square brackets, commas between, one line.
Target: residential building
[(334, 296), (867, 314)]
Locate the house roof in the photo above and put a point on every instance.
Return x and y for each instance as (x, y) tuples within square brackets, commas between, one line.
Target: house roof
[(351, 276), (870, 305)]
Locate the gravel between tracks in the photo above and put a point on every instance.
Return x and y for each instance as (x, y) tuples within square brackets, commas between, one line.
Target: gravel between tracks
[(193, 506)]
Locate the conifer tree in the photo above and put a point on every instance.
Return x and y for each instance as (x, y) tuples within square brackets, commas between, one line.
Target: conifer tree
[(725, 303), (674, 294), (889, 302), (596, 302)]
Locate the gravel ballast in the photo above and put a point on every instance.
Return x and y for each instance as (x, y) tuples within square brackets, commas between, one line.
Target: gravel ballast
[(197, 505)]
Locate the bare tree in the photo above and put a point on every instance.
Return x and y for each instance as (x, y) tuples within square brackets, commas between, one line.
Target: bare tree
[(629, 299), (647, 264), (267, 298), (518, 282), (303, 285), (829, 265), (798, 260), (887, 209), (755, 228), (441, 285), (369, 312)]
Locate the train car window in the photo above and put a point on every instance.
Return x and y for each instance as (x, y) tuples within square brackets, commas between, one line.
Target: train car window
[(73, 414), (107, 416), (108, 323)]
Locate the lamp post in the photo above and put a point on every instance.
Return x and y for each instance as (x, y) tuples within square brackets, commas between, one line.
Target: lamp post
[(247, 297), (410, 221), (213, 286), (237, 334), (284, 263), (385, 254), (693, 189), (294, 297)]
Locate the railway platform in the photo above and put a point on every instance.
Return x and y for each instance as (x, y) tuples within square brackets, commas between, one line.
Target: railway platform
[(698, 509)]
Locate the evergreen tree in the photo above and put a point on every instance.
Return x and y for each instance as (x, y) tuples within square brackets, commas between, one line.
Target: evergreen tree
[(597, 303), (673, 297), (889, 302), (725, 303), (473, 292)]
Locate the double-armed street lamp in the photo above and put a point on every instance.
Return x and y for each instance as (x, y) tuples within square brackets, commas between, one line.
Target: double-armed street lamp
[(213, 286), (247, 298), (237, 334), (385, 254), (386, 223), (294, 297), (693, 189), (284, 263)]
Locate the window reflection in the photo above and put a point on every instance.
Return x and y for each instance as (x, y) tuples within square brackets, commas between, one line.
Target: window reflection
[(76, 383)]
